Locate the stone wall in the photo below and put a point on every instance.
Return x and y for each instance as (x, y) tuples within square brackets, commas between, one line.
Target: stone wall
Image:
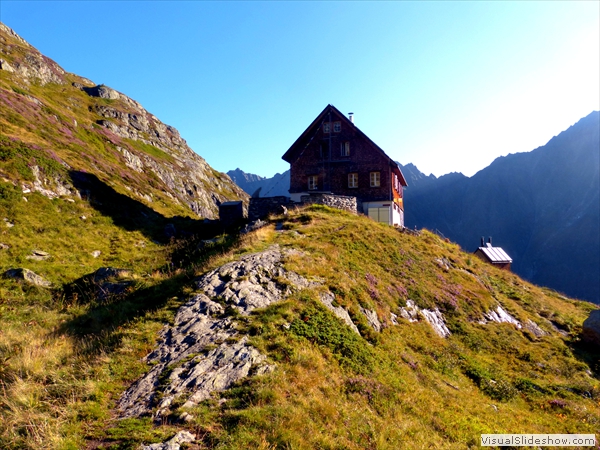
[(344, 202), (260, 208)]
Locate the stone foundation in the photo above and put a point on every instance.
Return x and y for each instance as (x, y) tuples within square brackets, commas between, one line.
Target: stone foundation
[(344, 202)]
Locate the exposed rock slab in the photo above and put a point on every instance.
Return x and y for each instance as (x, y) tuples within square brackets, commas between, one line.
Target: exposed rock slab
[(534, 328), (327, 299), (183, 437), (499, 315), (372, 319), (435, 318), (202, 352)]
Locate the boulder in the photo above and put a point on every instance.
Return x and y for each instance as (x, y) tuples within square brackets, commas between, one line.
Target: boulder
[(182, 437), (28, 276), (591, 328)]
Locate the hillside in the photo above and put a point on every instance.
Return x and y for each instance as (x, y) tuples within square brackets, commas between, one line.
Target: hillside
[(127, 319), (62, 133), (321, 330), (540, 206)]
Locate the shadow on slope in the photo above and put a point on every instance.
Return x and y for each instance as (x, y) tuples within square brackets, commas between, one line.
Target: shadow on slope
[(133, 215), (99, 328)]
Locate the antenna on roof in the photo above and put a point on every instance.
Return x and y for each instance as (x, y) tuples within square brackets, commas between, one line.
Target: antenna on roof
[(351, 116)]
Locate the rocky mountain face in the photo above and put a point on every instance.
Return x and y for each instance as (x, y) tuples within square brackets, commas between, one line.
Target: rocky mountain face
[(56, 125), (542, 207), (278, 184)]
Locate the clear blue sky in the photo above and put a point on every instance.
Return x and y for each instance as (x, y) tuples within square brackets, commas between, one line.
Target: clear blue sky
[(448, 86)]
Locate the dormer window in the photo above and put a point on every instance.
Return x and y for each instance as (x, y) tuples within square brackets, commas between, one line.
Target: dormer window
[(327, 127), (337, 127)]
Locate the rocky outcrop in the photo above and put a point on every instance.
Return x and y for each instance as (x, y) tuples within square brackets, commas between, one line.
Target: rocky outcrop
[(27, 276), (372, 319), (182, 437), (112, 121), (435, 318), (327, 300), (591, 328), (33, 65), (51, 187), (499, 315), (203, 352)]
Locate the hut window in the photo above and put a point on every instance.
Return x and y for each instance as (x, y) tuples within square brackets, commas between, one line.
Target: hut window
[(345, 149), (375, 179), (326, 127), (337, 127), (313, 182), (352, 180)]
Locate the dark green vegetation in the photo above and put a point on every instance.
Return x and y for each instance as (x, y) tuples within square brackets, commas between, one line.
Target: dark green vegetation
[(541, 207)]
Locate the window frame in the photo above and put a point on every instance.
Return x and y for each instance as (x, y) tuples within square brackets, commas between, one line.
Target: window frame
[(313, 182), (375, 179), (337, 127), (327, 127), (345, 148), (353, 180)]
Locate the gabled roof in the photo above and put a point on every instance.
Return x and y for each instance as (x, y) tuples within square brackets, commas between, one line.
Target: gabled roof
[(308, 135), (495, 254)]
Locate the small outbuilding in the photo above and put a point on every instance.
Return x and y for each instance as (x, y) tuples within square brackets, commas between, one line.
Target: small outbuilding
[(493, 255), (231, 213)]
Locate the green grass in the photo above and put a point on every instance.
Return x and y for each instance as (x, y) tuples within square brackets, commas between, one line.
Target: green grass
[(66, 361), (67, 355)]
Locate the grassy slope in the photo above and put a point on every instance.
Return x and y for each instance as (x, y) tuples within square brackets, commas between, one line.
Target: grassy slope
[(63, 363)]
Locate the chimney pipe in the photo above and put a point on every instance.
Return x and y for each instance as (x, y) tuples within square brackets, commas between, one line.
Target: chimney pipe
[(351, 117), (482, 241), (490, 240)]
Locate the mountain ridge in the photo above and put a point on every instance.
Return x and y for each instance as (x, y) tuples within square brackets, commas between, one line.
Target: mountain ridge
[(531, 202), (95, 129)]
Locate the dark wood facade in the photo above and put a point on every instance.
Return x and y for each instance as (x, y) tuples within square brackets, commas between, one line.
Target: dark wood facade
[(334, 156)]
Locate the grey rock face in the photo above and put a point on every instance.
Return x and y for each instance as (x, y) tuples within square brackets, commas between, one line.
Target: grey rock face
[(435, 318), (591, 328), (28, 276), (182, 437), (372, 319), (534, 328), (202, 352), (38, 255), (499, 315), (327, 300), (184, 176)]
